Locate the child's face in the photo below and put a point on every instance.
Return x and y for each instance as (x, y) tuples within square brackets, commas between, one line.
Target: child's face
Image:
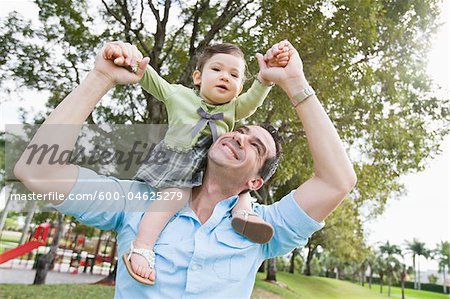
[(221, 79)]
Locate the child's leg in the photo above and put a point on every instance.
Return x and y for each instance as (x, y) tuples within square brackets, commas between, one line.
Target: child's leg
[(152, 224), (249, 224)]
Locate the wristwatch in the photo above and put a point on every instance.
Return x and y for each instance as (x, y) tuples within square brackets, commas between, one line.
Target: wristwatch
[(302, 95)]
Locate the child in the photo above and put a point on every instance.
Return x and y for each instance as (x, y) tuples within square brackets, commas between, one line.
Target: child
[(196, 119)]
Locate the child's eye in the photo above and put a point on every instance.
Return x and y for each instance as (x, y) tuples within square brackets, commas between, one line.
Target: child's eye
[(216, 69), (235, 75)]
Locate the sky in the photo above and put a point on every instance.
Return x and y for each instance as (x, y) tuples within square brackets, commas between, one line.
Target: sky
[(423, 213)]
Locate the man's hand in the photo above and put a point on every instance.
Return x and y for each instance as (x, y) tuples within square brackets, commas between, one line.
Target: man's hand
[(114, 57), (291, 77)]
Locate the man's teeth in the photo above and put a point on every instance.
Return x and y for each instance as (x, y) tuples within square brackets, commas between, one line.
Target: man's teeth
[(231, 152)]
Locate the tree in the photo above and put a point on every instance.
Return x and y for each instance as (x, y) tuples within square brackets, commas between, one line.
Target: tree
[(44, 261), (391, 253), (443, 255), (380, 268), (432, 278), (417, 249), (365, 59)]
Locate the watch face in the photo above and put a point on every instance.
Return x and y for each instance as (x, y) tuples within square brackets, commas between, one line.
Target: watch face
[(309, 91)]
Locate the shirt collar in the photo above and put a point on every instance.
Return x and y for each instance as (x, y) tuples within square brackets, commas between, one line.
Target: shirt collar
[(222, 208)]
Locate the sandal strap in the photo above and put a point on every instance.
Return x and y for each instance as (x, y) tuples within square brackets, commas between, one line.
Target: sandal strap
[(148, 254), (245, 213)]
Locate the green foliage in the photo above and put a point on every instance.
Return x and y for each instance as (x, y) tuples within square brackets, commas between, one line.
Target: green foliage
[(364, 58), (432, 278)]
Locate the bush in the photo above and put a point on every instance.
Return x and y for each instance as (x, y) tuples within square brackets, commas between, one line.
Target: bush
[(432, 278)]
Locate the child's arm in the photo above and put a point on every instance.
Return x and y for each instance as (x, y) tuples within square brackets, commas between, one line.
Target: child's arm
[(151, 82), (248, 102)]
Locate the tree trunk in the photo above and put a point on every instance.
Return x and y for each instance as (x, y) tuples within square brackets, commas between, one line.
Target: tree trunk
[(271, 270), (418, 271), (444, 285), (354, 272), (308, 260), (370, 278), (44, 261), (363, 274), (6, 190), (26, 227), (415, 271), (292, 266), (381, 283), (262, 267), (389, 284), (403, 276)]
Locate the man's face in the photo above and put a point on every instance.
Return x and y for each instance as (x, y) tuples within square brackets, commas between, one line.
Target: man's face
[(221, 79), (243, 152)]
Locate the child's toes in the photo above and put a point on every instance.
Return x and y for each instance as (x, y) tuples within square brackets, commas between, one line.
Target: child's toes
[(152, 275)]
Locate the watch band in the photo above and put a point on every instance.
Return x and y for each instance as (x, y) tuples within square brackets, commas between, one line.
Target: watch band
[(302, 96)]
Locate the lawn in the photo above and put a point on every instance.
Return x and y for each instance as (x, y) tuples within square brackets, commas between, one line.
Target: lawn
[(315, 287), (396, 292), (298, 287), (66, 291)]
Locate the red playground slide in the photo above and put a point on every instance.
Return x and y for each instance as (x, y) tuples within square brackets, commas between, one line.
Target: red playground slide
[(39, 238)]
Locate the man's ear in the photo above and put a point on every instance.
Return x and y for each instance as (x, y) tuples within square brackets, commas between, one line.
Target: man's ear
[(197, 77), (255, 184)]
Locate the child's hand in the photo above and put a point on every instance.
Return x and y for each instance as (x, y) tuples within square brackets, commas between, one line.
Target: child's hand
[(278, 55), (119, 56), (275, 58)]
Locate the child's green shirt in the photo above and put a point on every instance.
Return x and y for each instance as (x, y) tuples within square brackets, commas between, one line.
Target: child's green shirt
[(182, 104)]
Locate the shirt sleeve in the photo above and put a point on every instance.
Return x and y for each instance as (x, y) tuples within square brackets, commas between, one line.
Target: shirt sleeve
[(155, 85), (101, 201), (293, 227), (248, 102)]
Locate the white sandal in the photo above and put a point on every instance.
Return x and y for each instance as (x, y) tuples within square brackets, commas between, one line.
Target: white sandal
[(149, 256)]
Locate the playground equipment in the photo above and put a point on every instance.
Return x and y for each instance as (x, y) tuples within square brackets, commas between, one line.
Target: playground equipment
[(39, 238)]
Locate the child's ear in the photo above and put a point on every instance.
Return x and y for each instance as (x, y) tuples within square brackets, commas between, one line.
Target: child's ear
[(197, 77)]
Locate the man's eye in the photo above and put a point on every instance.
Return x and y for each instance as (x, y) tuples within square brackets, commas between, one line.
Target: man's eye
[(256, 146)]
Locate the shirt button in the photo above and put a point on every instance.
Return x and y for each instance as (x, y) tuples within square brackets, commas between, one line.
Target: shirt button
[(196, 267)]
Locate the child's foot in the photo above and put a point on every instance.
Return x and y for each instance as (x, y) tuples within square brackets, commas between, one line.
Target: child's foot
[(252, 226), (140, 262)]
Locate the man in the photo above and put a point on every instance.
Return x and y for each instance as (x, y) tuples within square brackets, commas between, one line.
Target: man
[(198, 255)]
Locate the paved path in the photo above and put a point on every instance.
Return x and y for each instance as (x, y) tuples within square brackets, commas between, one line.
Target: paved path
[(19, 276)]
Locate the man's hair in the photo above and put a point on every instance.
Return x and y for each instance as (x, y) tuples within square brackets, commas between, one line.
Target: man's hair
[(210, 51), (271, 164)]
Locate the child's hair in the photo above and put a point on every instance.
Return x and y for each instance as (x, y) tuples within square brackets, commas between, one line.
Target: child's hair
[(224, 48)]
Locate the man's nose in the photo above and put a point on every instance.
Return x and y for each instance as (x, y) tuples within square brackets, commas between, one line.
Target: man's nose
[(239, 138)]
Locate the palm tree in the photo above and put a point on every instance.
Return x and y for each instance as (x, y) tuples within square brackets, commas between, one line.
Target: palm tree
[(379, 267), (371, 262), (417, 248), (443, 255), (391, 252)]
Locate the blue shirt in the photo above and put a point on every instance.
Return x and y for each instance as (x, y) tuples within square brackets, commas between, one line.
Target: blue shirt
[(193, 260)]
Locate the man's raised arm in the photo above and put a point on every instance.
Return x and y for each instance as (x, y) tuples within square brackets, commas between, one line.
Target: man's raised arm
[(62, 127), (334, 176)]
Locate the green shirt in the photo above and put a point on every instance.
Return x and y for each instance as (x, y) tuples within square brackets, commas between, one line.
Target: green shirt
[(182, 104)]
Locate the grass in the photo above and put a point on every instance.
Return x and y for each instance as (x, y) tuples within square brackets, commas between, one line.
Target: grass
[(66, 291), (396, 292), (315, 287), (298, 287)]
